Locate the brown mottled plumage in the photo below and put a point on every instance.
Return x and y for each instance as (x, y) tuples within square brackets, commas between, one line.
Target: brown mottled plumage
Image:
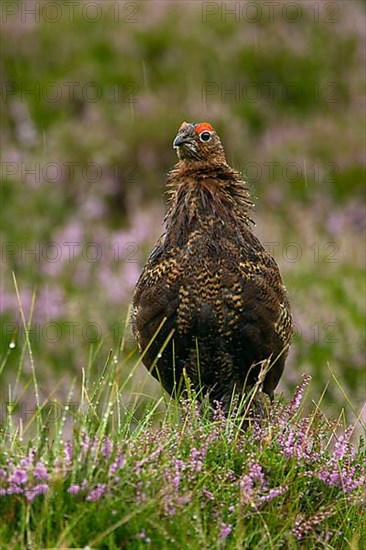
[(209, 284)]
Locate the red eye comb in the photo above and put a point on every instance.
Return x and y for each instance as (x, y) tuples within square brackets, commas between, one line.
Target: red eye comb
[(202, 126)]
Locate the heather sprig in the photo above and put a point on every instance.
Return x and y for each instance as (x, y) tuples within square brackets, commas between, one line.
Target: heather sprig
[(195, 463)]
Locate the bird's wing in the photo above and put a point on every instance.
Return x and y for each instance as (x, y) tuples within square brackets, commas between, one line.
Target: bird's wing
[(261, 273), (156, 294)]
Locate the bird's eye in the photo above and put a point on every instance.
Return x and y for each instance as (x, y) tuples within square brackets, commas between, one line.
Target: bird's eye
[(205, 136)]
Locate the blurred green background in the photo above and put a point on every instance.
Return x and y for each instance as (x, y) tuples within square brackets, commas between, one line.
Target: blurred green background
[(92, 96)]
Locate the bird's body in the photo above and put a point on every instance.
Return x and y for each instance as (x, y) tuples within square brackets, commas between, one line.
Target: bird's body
[(209, 292)]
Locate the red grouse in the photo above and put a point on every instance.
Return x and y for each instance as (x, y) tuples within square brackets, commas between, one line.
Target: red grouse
[(210, 303)]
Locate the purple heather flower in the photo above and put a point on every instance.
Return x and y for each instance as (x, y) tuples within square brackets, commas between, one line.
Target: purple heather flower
[(107, 447), (85, 442), (246, 486), (97, 493), (218, 413), (195, 457), (176, 481), (40, 471), (273, 493), (340, 470), (176, 477), (27, 461), (225, 530), (35, 491), (344, 478), (286, 441), (73, 489), (208, 494), (179, 465), (299, 393), (256, 473), (140, 495), (19, 476), (117, 464), (2, 473), (295, 441), (342, 446), (254, 483), (68, 452), (230, 476), (248, 481), (303, 527)]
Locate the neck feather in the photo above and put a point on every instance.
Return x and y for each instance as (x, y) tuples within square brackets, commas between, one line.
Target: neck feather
[(207, 195)]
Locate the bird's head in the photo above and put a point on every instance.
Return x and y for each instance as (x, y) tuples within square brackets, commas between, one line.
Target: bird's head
[(198, 142)]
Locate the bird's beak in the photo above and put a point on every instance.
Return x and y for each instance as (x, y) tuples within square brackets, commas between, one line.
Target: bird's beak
[(179, 140)]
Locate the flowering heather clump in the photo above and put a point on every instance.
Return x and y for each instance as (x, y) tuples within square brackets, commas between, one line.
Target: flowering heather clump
[(254, 487), (29, 478), (304, 527), (73, 489), (342, 470), (225, 531), (196, 472), (97, 493), (40, 489), (299, 394)]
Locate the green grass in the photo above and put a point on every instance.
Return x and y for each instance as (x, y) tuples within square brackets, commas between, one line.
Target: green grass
[(175, 475)]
